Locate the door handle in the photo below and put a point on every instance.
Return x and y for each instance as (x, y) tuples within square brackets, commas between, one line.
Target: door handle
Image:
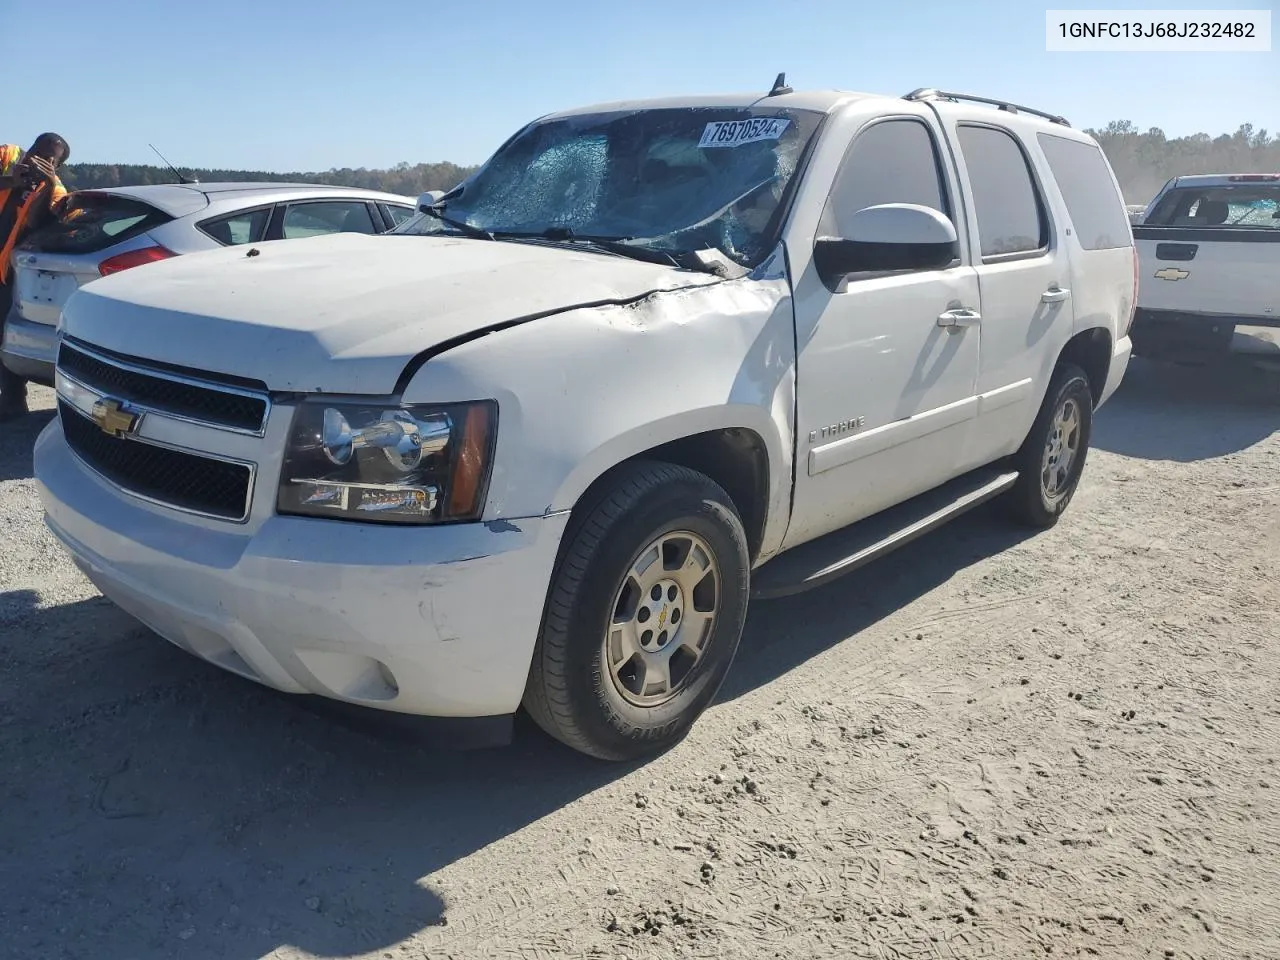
[(1055, 294), (957, 319)]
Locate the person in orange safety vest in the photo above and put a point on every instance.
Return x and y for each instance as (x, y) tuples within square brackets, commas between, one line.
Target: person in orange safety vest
[(30, 195)]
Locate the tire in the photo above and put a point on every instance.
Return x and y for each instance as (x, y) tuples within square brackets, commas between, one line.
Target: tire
[(573, 691), (1034, 501)]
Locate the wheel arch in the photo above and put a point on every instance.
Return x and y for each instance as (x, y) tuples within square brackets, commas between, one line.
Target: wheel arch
[(747, 459), (1090, 350)]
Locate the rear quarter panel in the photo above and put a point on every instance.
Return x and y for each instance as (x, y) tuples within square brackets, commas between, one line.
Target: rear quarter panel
[(183, 236)]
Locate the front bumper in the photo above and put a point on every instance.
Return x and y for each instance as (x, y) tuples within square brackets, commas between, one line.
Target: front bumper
[(29, 349), (430, 621)]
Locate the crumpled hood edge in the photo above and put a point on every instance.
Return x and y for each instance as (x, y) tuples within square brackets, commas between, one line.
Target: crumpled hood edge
[(420, 360)]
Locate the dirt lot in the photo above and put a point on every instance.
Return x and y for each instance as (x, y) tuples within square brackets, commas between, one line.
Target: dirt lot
[(985, 746)]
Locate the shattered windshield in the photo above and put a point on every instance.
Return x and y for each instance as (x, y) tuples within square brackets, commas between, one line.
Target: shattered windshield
[(670, 181)]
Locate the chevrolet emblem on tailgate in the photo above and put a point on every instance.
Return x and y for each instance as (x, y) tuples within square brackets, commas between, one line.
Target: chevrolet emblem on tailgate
[(1172, 273), (112, 418)]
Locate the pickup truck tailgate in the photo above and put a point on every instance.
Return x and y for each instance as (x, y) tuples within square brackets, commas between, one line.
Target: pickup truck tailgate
[(1230, 272)]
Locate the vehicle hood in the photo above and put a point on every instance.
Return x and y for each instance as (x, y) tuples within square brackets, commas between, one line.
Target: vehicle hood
[(342, 313)]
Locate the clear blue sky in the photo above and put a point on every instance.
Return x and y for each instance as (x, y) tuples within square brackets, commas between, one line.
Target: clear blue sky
[(311, 84)]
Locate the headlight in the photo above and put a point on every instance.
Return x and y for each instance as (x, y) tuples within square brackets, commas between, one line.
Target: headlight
[(414, 464)]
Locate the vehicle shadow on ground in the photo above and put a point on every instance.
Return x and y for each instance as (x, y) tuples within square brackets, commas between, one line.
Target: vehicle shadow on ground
[(16, 442), (1180, 413), (782, 634), (158, 807)]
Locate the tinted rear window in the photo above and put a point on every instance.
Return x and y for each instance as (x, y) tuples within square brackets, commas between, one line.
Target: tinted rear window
[(1011, 216), (1240, 205), (94, 221), (1097, 210)]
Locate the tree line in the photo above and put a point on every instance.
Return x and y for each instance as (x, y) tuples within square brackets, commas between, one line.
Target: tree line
[(404, 179), (1143, 162)]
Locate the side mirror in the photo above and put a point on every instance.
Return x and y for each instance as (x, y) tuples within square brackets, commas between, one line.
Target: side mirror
[(429, 199), (888, 237)]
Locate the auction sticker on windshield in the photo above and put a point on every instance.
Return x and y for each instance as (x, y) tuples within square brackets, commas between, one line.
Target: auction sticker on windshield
[(732, 133)]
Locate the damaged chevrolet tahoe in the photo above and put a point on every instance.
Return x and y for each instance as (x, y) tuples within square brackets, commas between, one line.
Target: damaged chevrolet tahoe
[(541, 444)]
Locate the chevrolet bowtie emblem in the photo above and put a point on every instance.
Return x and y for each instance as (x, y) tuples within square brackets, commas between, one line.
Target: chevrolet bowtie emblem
[(112, 418), (1172, 273)]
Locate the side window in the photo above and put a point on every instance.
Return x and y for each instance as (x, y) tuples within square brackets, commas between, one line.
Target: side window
[(328, 216), (247, 227), (1011, 216), (894, 161), (397, 214), (1097, 211)]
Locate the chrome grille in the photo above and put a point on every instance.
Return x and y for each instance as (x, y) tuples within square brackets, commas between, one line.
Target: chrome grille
[(185, 398), (119, 417), (175, 478)]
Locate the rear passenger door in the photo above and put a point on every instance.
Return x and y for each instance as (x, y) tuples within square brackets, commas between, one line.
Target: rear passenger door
[(1024, 276)]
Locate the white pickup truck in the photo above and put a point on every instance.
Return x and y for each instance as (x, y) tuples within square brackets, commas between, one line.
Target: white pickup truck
[(1210, 253), (540, 444)]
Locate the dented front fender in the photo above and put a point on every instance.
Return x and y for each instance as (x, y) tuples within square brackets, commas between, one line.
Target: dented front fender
[(584, 390)]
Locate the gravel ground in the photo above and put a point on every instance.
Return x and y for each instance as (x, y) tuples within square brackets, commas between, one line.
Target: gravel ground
[(987, 745)]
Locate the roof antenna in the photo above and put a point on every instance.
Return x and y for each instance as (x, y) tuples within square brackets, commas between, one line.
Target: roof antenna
[(181, 178), (780, 86)]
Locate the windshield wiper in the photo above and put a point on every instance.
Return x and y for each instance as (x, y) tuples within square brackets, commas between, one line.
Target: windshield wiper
[(566, 235), (611, 244), (437, 211)]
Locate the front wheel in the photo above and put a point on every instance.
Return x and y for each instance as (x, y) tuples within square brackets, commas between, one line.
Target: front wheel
[(1051, 459), (644, 614)]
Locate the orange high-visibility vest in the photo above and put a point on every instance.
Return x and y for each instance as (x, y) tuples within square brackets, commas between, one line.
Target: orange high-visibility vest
[(54, 195)]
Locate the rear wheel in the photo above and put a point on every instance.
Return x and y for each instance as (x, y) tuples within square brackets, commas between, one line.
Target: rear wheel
[(1051, 460), (644, 615)]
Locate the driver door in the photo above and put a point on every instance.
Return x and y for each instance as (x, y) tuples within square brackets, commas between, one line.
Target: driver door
[(887, 365)]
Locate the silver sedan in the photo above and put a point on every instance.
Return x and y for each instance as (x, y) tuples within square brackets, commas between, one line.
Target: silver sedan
[(118, 228)]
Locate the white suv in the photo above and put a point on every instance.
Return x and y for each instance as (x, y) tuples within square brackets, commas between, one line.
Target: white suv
[(541, 443)]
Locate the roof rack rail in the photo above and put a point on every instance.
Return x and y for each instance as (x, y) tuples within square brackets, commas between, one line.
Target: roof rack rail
[(928, 93)]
